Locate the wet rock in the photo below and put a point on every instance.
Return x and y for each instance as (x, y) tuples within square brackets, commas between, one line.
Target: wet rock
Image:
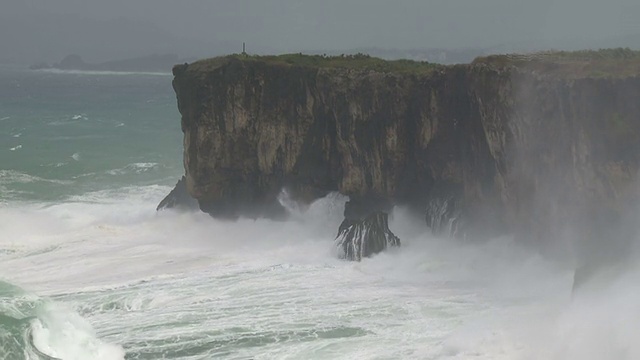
[(443, 210), (179, 198), (362, 238)]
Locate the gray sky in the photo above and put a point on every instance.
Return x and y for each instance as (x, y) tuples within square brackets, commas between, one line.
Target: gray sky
[(33, 30)]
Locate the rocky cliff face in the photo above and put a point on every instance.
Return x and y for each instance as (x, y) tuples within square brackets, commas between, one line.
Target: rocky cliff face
[(535, 148), (567, 149)]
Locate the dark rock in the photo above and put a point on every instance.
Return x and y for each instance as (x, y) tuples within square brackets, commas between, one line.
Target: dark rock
[(359, 208), (444, 210), (232, 210), (362, 238), (178, 198)]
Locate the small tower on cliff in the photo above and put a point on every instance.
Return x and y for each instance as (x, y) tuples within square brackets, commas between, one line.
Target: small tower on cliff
[(244, 52)]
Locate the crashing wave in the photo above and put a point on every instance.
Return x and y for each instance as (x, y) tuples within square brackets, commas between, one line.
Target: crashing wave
[(37, 329)]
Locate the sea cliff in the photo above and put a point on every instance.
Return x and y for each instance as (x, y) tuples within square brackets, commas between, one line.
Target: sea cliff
[(536, 146)]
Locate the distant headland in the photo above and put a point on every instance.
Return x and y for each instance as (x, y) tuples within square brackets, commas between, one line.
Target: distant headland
[(151, 63)]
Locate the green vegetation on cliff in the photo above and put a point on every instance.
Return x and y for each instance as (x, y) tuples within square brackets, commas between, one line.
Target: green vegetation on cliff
[(603, 63), (361, 62)]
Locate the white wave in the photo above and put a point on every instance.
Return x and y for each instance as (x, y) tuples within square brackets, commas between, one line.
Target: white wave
[(76, 156), (63, 334), (120, 125), (5, 118), (41, 327), (137, 168), (13, 176), (79, 117), (16, 148), (137, 195), (17, 135)]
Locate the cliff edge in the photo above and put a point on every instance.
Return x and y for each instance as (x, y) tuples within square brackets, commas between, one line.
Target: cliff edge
[(536, 145)]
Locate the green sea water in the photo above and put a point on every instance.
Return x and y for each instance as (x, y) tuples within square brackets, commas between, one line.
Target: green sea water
[(65, 134)]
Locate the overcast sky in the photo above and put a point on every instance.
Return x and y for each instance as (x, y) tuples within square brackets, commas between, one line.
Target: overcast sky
[(103, 29)]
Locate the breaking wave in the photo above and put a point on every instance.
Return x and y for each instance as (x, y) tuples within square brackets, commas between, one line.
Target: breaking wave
[(34, 328)]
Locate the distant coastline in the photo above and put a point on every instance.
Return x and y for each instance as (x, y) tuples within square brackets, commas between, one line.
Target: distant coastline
[(152, 64)]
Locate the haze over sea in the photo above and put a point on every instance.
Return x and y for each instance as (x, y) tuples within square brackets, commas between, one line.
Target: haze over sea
[(89, 269)]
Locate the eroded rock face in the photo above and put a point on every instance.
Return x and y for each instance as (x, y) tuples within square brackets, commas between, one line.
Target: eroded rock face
[(567, 153), (362, 238), (526, 153), (252, 128)]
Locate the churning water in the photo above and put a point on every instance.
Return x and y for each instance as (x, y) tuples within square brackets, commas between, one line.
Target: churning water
[(89, 270)]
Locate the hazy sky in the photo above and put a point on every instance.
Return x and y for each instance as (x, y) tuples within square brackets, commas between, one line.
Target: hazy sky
[(103, 29)]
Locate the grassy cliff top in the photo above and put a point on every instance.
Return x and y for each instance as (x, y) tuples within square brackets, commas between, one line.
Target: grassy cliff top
[(603, 63), (356, 62)]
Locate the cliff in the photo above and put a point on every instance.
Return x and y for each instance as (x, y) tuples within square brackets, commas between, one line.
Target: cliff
[(532, 145)]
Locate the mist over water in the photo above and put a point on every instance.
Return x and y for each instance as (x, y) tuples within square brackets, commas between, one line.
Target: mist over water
[(89, 270)]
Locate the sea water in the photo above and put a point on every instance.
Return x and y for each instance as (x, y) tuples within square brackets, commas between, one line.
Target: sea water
[(89, 269)]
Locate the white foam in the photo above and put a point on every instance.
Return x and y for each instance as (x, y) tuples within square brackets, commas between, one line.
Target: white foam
[(76, 156), (137, 168), (131, 272), (16, 148), (62, 333), (13, 176)]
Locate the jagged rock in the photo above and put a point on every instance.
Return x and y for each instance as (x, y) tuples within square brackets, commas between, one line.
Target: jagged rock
[(178, 198), (362, 238)]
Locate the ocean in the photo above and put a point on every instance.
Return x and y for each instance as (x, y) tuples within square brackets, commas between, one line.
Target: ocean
[(90, 270)]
